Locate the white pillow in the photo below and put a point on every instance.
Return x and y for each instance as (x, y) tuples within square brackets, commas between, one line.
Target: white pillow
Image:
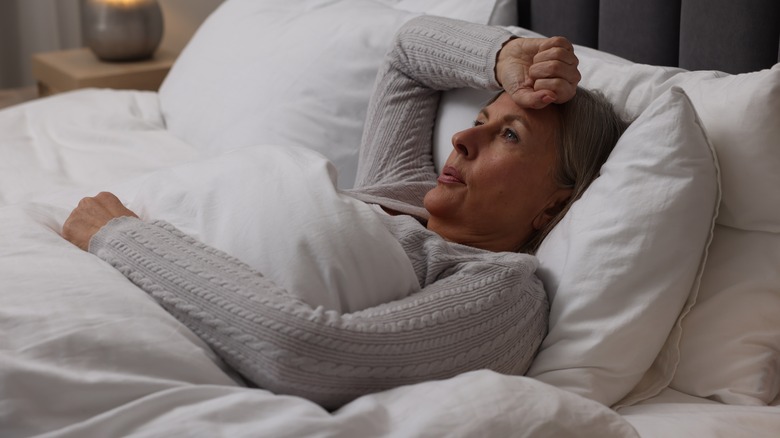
[(621, 264), (742, 116), (277, 209), (457, 110), (290, 72), (629, 86), (730, 348), (503, 12)]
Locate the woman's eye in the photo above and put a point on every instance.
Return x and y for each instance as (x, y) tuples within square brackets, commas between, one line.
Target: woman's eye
[(477, 123), (511, 135)]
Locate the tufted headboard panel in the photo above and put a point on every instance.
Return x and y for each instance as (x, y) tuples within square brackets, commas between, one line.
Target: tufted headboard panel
[(734, 36)]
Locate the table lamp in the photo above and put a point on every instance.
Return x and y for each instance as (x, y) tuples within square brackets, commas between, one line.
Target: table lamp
[(122, 30)]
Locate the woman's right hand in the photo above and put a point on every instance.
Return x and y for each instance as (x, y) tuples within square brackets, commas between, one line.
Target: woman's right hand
[(536, 72), (90, 216)]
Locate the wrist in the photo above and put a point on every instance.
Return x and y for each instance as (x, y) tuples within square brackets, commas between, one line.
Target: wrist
[(503, 54)]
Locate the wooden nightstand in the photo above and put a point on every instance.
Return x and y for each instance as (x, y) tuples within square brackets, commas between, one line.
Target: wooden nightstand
[(79, 68)]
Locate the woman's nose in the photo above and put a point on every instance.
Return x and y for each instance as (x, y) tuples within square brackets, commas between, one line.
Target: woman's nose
[(466, 142)]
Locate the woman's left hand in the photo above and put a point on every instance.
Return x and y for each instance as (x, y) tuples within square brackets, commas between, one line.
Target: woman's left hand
[(538, 71), (90, 216)]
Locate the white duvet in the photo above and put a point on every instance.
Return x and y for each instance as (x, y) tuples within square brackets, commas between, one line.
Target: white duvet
[(278, 210)]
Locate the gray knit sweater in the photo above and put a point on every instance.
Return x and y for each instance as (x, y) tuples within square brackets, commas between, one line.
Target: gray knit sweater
[(476, 310)]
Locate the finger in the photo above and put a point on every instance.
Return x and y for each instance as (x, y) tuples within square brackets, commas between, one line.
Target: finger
[(553, 70), (108, 200), (528, 98), (562, 90), (557, 54), (107, 196), (556, 41), (90, 206), (113, 205)]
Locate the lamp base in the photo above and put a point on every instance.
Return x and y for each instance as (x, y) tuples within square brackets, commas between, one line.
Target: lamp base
[(122, 30)]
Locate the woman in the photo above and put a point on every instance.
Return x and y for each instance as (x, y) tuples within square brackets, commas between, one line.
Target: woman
[(506, 182)]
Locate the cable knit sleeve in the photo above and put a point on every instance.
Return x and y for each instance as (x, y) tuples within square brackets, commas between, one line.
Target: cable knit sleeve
[(482, 314), (429, 54)]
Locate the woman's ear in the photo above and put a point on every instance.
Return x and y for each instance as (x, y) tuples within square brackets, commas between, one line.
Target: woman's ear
[(555, 204)]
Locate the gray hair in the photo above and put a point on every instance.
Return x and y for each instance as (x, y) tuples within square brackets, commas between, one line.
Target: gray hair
[(589, 128)]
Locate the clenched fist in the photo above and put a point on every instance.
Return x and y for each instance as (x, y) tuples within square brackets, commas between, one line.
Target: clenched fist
[(538, 71), (90, 216)]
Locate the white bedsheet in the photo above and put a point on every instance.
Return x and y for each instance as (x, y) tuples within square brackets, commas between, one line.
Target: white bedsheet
[(675, 414)]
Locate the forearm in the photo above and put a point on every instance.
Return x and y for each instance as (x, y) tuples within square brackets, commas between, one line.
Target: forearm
[(429, 54), (280, 343), (444, 54)]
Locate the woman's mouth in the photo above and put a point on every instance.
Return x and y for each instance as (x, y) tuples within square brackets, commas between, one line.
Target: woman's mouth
[(450, 175)]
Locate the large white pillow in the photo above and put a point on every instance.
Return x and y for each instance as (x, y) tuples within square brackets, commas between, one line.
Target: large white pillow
[(629, 86), (621, 264), (742, 116), (720, 348), (730, 349), (496, 12), (291, 72)]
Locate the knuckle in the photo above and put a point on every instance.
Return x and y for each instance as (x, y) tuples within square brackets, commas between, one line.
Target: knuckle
[(560, 41), (559, 52), (559, 86), (555, 69)]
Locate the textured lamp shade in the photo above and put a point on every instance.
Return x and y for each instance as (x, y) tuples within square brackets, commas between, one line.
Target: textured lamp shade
[(122, 30)]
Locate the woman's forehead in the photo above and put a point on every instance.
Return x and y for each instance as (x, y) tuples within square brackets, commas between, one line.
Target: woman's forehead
[(504, 107)]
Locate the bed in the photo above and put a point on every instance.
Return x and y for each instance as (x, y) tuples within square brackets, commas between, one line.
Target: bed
[(664, 278)]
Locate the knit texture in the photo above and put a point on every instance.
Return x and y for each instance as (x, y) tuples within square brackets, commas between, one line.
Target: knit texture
[(476, 309)]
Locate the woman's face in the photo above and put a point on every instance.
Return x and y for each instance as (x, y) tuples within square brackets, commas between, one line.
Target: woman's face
[(497, 186)]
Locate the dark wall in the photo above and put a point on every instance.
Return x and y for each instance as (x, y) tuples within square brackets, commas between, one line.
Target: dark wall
[(729, 35)]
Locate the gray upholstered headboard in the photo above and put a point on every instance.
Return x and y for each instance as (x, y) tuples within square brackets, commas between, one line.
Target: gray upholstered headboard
[(734, 36)]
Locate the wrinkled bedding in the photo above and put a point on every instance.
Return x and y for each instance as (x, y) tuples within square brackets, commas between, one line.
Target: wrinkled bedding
[(277, 209), (83, 352), (83, 140)]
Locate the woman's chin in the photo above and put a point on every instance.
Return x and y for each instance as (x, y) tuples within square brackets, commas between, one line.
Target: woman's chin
[(442, 201)]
